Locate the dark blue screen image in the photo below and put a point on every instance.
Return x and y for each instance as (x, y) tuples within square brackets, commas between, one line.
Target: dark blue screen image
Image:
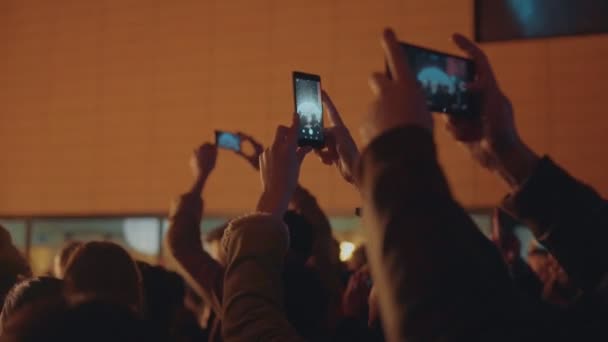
[(443, 79), (309, 108), (228, 141)]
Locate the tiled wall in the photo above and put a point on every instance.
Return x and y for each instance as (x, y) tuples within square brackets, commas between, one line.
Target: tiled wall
[(101, 102)]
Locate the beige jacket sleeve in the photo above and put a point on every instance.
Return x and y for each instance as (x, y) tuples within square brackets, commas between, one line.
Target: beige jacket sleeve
[(201, 271), (253, 296)]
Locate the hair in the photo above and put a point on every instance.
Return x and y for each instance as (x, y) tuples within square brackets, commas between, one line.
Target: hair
[(306, 299), (301, 235), (104, 270), (56, 320), (27, 292), (12, 264), (216, 234), (164, 293), (63, 257)]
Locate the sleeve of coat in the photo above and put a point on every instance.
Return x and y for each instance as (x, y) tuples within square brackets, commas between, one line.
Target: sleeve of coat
[(183, 241), (255, 248), (568, 217), (437, 277)]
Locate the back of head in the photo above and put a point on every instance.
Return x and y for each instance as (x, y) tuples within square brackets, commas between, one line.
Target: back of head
[(164, 293), (56, 320), (63, 257), (103, 270), (301, 235), (28, 292), (12, 264)]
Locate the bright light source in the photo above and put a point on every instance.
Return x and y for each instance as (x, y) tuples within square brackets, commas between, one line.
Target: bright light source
[(141, 234), (346, 250)]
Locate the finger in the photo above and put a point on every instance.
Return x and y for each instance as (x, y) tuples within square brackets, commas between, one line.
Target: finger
[(332, 113), (327, 157), (464, 130), (469, 47), (292, 136), (480, 58), (394, 56), (302, 152), (474, 86), (281, 134), (378, 82)]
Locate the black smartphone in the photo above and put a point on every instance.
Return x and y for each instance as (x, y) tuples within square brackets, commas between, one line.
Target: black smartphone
[(309, 107), (227, 140), (443, 78)]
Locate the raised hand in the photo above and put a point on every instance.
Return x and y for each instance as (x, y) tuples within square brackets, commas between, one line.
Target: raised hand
[(280, 169), (253, 159), (398, 101), (202, 161), (356, 295), (341, 149), (493, 138)]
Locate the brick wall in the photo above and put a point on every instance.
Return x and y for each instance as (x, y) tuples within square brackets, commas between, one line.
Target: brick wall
[(101, 102)]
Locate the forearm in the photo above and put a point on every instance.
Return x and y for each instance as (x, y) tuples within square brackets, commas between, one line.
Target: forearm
[(515, 163), (253, 305), (184, 243), (429, 262), (568, 217)]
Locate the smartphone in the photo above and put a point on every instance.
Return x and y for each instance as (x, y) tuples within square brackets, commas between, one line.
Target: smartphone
[(227, 140), (443, 78), (309, 107)]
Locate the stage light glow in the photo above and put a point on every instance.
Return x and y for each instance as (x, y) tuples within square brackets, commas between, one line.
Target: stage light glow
[(141, 234), (346, 250)]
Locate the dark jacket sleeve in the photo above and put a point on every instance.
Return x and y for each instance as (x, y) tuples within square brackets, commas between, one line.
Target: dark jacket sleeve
[(201, 271), (569, 218), (438, 278)]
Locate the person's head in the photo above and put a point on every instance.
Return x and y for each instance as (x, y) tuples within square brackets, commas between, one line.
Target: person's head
[(63, 256), (213, 239), (301, 237), (105, 271), (164, 293), (13, 265), (57, 320), (28, 292)]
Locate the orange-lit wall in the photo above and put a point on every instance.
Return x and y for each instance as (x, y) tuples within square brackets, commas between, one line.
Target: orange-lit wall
[(101, 102)]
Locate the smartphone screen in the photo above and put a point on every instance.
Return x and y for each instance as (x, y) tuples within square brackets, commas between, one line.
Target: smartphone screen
[(443, 79), (308, 105), (227, 140)]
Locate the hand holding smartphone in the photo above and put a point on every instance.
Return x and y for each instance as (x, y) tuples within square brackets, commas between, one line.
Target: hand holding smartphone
[(309, 107), (443, 79)]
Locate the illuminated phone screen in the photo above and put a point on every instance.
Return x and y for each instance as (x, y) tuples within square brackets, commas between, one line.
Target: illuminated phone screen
[(310, 109), (228, 141), (443, 79)]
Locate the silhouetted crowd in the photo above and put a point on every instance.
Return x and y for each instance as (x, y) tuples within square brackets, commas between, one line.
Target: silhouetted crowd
[(425, 273)]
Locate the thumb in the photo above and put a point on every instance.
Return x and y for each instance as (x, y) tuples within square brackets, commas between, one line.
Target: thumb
[(302, 152)]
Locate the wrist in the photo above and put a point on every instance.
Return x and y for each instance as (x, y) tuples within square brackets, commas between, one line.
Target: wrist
[(515, 163), (272, 203), (199, 183)]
